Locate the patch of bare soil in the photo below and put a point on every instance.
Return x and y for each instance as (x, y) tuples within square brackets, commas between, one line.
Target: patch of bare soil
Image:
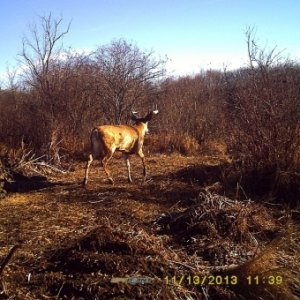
[(134, 241)]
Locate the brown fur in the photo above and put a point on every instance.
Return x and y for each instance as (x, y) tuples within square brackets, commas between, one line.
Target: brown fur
[(107, 139)]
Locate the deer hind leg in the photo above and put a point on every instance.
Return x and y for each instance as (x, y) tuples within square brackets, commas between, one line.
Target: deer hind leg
[(105, 160), (142, 156), (88, 164), (128, 167)]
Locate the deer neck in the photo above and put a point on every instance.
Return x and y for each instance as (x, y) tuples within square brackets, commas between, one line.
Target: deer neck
[(142, 128)]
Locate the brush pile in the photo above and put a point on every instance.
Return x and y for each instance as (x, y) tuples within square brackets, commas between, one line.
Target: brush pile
[(22, 171), (4, 177), (219, 230)]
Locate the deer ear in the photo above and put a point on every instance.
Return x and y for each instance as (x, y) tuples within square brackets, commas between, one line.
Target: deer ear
[(149, 116)]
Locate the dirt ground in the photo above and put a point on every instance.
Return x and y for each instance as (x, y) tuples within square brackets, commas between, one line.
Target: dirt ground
[(80, 243)]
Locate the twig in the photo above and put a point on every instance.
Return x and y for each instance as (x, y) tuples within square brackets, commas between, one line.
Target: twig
[(62, 286), (174, 205), (51, 167), (93, 202), (274, 204), (8, 257), (204, 290), (222, 268), (182, 264)]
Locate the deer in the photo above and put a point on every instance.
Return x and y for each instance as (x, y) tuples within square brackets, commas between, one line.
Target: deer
[(128, 139)]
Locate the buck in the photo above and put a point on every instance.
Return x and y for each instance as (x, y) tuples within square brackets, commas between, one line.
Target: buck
[(107, 139)]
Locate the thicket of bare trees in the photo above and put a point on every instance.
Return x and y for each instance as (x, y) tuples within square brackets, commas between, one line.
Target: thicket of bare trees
[(61, 95), (263, 106)]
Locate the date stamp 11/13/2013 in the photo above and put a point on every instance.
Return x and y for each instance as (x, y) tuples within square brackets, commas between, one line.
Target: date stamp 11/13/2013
[(223, 280), (226, 280)]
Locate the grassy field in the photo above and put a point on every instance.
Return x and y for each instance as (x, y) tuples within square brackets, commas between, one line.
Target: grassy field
[(72, 241)]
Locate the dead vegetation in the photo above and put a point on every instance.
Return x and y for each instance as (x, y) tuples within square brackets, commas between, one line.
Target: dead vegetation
[(74, 241), (21, 170), (219, 230), (279, 261)]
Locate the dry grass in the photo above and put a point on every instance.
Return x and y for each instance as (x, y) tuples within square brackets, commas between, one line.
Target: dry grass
[(172, 143), (73, 241), (216, 148)]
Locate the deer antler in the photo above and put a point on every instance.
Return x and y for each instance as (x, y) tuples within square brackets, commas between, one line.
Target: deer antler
[(133, 115), (155, 111)]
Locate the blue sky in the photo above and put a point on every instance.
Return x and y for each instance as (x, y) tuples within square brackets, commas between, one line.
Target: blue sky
[(195, 35)]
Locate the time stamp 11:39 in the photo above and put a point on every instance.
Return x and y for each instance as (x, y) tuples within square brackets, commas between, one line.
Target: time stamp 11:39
[(222, 280)]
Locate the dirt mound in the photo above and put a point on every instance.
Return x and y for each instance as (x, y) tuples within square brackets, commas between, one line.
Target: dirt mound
[(86, 266)]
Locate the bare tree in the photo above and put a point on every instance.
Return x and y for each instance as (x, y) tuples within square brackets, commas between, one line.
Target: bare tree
[(127, 76), (42, 47), (40, 53), (260, 56)]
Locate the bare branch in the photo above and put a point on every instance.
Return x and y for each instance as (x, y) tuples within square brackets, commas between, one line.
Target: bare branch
[(127, 75)]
